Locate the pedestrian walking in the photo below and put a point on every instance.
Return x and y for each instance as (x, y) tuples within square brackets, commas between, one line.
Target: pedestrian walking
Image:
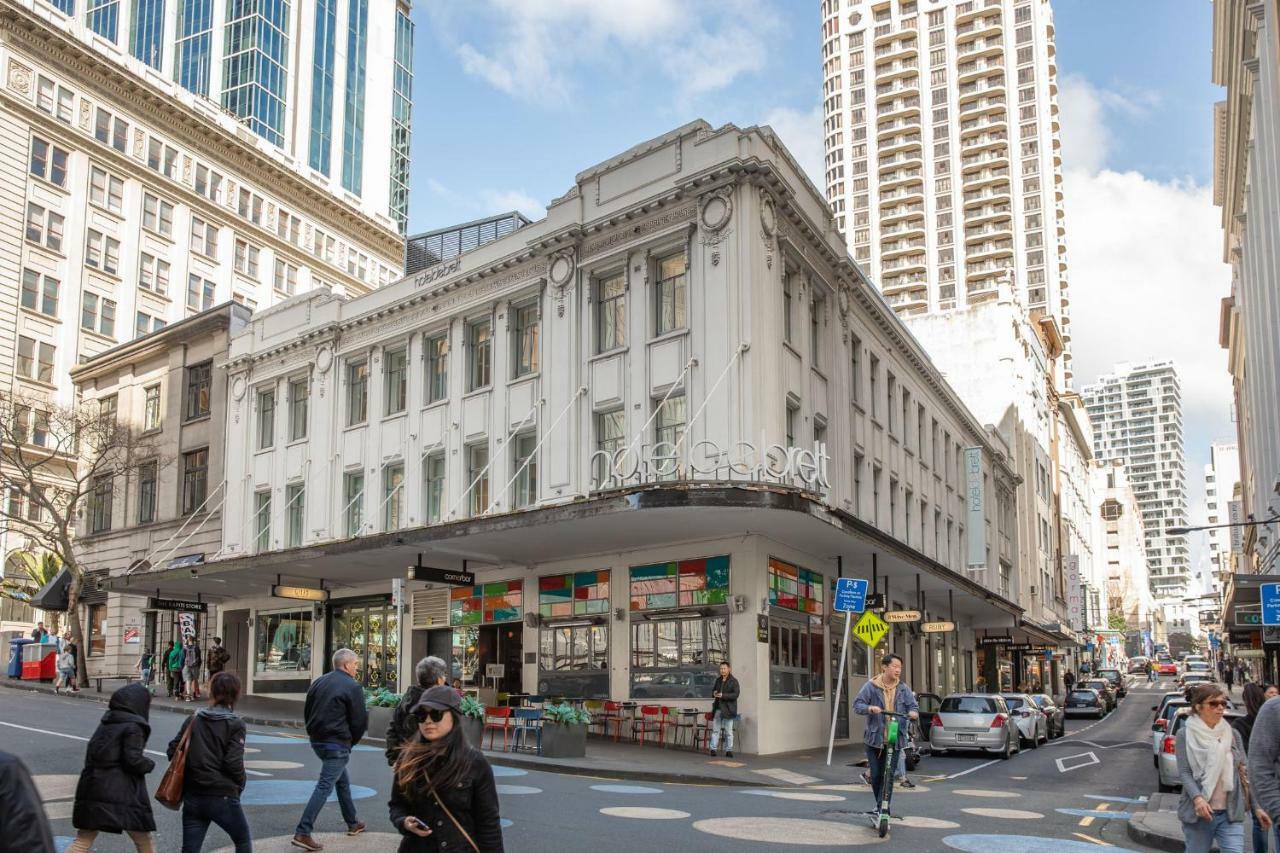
[(1210, 755), (215, 660), (66, 666), (336, 720), (111, 795), (1230, 679), (26, 828), (214, 777), (1152, 675), (192, 660), (724, 708), (430, 672), (1069, 680), (1254, 698), (444, 797), (144, 668), (885, 691), (173, 669)]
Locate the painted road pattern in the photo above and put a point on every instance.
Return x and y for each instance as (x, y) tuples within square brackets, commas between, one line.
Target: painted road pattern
[(1043, 799)]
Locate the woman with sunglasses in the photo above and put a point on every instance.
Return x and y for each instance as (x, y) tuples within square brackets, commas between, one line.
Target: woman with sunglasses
[(443, 797), (1210, 755)]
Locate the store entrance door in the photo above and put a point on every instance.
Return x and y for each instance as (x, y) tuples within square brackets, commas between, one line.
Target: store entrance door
[(235, 637), (475, 647), (371, 629)]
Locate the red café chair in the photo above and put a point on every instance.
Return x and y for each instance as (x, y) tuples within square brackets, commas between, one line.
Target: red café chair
[(702, 734), (652, 719), (610, 716), (495, 720)]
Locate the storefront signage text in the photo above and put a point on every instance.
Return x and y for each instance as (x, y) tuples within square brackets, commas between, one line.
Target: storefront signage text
[(995, 641), (453, 577), (975, 505), (300, 593), (175, 604), (902, 616), (706, 460), (937, 627), (436, 273)]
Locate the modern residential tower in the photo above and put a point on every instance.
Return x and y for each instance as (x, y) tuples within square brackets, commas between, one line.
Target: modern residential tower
[(1137, 419), (943, 160), (1221, 479)]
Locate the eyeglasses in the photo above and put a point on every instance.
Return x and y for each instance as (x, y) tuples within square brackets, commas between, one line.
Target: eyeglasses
[(1218, 703), (435, 715)]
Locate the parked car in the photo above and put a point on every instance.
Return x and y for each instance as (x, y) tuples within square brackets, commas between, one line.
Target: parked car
[(1138, 665), (1166, 666), (1173, 696), (929, 705), (1167, 778), (676, 685), (1160, 727), (1032, 726), (1054, 714), (1104, 688), (1189, 678), (1198, 667), (1116, 679), (979, 721), (1085, 701)]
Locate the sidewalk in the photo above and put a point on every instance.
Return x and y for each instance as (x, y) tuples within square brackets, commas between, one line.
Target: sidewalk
[(604, 758), (1158, 826)]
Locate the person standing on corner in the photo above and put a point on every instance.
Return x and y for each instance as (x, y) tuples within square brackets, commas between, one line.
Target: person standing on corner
[(192, 660), (40, 634), (430, 671), (885, 691), (1069, 680), (724, 710), (215, 776), (215, 660), (111, 795), (173, 670), (336, 721)]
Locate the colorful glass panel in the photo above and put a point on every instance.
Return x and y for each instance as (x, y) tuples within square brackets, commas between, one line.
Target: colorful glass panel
[(689, 583), (796, 589), (576, 594), (500, 601)]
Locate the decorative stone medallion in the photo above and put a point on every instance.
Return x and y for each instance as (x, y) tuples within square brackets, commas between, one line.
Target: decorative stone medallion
[(717, 209), (324, 358), (238, 386)]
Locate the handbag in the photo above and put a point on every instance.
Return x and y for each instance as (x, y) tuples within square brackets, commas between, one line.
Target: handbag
[(452, 819), (169, 792)]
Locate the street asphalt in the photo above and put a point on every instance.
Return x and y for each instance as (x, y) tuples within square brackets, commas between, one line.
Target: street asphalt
[(1069, 796)]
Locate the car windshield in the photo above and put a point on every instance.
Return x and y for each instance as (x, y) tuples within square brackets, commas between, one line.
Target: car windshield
[(1042, 701), (968, 705), (1171, 709), (1083, 694), (1013, 702), (1096, 684)]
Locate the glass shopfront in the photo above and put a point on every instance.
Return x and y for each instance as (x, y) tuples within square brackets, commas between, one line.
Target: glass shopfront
[(797, 604), (370, 628), (282, 645), (482, 634), (573, 639), (679, 627)]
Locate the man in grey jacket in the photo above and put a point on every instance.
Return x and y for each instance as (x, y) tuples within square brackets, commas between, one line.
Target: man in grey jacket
[(1264, 760)]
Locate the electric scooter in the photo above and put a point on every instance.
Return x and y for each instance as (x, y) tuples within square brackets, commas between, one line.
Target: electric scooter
[(893, 734)]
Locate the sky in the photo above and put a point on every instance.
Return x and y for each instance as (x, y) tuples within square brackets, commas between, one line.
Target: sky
[(512, 98)]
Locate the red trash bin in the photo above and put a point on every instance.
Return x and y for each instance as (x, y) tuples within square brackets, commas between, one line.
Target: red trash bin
[(39, 661)]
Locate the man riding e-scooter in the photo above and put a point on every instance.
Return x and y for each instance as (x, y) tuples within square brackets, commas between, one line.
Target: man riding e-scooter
[(881, 696)]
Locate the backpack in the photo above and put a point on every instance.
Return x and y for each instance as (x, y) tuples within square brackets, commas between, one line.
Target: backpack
[(217, 658)]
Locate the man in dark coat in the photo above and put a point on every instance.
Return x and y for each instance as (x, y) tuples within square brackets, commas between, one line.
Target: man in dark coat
[(112, 793), (26, 830), (336, 720), (430, 671), (724, 709)]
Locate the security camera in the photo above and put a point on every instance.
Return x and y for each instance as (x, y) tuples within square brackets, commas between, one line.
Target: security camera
[(194, 574)]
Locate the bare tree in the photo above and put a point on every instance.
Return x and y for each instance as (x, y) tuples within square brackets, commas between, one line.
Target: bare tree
[(58, 462)]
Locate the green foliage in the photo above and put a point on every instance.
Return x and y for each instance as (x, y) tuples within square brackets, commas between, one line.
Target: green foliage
[(1116, 621), (380, 698), (566, 714), (471, 707)]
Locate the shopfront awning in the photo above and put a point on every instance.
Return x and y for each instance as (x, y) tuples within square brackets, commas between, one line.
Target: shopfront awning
[(1242, 607), (619, 521), (53, 596)]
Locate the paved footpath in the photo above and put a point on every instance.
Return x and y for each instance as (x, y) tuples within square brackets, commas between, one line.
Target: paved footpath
[(1069, 796)]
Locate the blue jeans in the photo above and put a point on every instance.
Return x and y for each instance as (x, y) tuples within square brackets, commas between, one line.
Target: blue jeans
[(198, 812), (876, 757), (1260, 836), (1201, 834), (719, 722), (333, 773)]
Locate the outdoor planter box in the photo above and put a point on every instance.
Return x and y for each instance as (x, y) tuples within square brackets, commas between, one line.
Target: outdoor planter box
[(561, 741), (380, 721), (472, 730)]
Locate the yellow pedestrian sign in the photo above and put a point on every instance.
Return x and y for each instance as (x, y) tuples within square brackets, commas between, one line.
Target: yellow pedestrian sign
[(870, 629)]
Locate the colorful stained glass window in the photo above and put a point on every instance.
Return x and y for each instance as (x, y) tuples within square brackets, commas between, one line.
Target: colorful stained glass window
[(688, 583), (796, 589), (574, 594), (500, 601)]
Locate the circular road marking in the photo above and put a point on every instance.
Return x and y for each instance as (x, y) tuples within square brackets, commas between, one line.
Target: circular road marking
[(918, 822), (264, 764), (643, 813), (978, 792), (789, 831), (807, 796), (1007, 814), (518, 789), (292, 792), (626, 789), (1021, 844), (365, 842), (500, 770), (56, 786)]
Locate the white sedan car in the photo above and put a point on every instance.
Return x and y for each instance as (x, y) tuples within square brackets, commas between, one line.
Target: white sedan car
[(1033, 727)]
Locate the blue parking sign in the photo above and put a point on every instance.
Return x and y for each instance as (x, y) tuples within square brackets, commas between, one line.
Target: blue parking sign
[(1270, 594), (851, 595)]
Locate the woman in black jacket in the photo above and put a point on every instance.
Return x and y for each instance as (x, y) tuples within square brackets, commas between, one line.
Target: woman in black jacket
[(443, 797), (215, 774), (111, 795)]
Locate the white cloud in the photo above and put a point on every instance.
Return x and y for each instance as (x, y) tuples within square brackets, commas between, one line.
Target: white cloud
[(530, 47), (801, 132), (1086, 136), (501, 201)]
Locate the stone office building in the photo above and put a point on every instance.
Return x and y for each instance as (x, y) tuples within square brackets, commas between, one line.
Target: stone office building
[(656, 425)]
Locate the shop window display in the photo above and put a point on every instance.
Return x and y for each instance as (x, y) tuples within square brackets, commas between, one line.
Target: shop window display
[(282, 643), (679, 627)]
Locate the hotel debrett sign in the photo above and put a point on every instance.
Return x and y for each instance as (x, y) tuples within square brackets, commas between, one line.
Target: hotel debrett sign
[(705, 461), (975, 505), (1075, 595)]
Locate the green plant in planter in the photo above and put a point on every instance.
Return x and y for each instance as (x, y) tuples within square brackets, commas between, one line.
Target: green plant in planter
[(566, 714), (472, 707), (380, 698)]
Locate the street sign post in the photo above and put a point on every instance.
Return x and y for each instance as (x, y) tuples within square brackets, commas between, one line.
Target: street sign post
[(850, 598), (870, 629), (1270, 593)]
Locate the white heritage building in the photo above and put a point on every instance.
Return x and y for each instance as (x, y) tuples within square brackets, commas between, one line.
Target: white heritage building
[(656, 425)]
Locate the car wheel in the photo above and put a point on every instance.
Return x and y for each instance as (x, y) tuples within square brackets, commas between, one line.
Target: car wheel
[(1007, 752), (1164, 789), (1035, 739)]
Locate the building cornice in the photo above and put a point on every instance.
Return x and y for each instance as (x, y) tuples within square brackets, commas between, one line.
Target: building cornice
[(109, 362), (194, 130)]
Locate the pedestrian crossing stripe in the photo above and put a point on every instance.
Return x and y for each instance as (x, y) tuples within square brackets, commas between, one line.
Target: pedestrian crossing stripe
[(870, 629)]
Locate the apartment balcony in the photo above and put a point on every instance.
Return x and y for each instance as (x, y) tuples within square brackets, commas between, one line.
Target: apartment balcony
[(906, 193), (889, 91), (910, 303), (997, 230), (891, 249), (990, 250), (885, 33), (972, 9), (982, 141), (989, 104), (982, 288), (983, 124), (906, 228), (990, 175), (966, 71), (904, 146), (988, 24), (976, 89), (898, 48), (984, 158), (974, 271), (896, 177), (900, 108), (988, 195), (898, 68), (894, 127), (980, 47), (909, 264), (897, 212), (999, 211)]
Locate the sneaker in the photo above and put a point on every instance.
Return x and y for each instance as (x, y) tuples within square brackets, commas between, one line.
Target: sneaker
[(907, 783), (355, 828), (306, 842), (728, 753), (866, 778)]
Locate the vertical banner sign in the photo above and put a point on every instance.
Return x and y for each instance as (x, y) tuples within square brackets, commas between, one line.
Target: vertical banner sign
[(1075, 598), (187, 625), (975, 502), (1235, 515)]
